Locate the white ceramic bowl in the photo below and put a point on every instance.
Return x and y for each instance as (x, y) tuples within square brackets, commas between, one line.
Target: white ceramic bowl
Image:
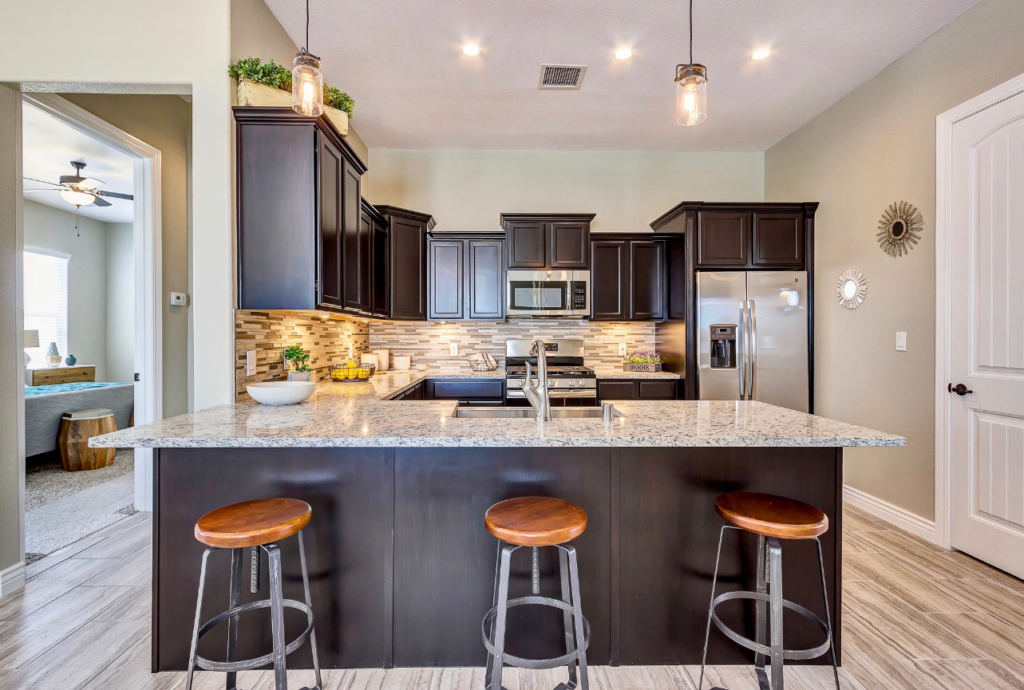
[(280, 392)]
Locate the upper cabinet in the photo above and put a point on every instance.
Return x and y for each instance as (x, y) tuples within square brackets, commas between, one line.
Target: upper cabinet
[(723, 238), (407, 245), (466, 277), (778, 239), (557, 241), (298, 212), (631, 277)]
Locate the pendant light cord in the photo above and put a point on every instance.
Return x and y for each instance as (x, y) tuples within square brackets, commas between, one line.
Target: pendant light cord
[(691, 28)]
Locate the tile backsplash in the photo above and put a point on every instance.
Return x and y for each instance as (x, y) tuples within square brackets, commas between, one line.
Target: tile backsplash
[(428, 342), (270, 332)]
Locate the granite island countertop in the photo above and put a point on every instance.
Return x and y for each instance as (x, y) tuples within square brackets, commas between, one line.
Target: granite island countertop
[(361, 414)]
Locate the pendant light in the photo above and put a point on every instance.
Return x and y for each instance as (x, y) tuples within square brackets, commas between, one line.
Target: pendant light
[(307, 82), (691, 88)]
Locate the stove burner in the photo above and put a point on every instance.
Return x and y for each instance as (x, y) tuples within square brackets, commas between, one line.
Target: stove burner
[(553, 372)]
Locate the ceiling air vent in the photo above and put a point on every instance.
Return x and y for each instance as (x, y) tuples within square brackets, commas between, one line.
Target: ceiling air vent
[(561, 76)]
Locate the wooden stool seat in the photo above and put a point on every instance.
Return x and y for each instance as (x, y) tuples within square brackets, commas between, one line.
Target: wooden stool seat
[(76, 428), (253, 523), (535, 521), (772, 516)]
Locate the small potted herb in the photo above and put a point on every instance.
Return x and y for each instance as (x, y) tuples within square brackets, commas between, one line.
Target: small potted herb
[(270, 84), (642, 360), (295, 356)]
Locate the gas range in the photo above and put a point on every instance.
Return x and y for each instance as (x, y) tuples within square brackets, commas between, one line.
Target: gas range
[(567, 377)]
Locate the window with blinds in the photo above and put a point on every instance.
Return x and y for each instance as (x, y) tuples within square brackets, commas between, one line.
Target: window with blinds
[(46, 303)]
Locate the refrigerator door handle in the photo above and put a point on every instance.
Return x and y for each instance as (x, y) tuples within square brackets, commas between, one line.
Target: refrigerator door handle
[(741, 351), (752, 315)]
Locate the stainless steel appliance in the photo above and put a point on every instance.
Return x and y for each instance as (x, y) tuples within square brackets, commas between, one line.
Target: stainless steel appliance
[(568, 379), (548, 293), (752, 337)]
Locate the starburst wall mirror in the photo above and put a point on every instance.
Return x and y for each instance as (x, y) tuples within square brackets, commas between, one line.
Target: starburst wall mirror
[(899, 229)]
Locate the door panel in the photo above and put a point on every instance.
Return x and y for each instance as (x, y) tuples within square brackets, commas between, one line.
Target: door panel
[(778, 239), (355, 243), (569, 243), (987, 335), (719, 296), (647, 280), (609, 280), (380, 277), (723, 238), (331, 224), (445, 282), (486, 280), (408, 269), (526, 245), (779, 306)]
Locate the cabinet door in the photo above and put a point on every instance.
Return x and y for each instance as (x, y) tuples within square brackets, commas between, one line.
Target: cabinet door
[(356, 241), (675, 277), (657, 390), (380, 275), (526, 245), (445, 280), (616, 390), (408, 269), (778, 239), (332, 224), (609, 281), (647, 280), (568, 244), (485, 280), (723, 239)]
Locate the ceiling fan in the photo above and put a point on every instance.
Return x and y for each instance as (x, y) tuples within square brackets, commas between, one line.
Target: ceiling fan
[(78, 190)]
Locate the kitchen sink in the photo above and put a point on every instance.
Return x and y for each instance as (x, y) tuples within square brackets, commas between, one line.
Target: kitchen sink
[(530, 413)]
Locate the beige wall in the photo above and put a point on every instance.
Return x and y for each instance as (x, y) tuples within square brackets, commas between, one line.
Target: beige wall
[(874, 147), (466, 190), (163, 122), (255, 32)]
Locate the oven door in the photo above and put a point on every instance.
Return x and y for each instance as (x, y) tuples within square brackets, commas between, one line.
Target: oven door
[(541, 293)]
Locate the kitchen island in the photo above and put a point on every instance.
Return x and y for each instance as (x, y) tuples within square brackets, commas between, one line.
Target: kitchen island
[(401, 565)]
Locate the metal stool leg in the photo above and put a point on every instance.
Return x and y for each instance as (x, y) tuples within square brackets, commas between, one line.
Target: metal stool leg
[(489, 669), (707, 629), (761, 626), (234, 595), (277, 617), (499, 620), (309, 603), (195, 628), (577, 609), (775, 593), (828, 616), (563, 569)]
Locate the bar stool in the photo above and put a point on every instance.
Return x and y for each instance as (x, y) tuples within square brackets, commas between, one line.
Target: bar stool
[(256, 525), (771, 518), (536, 522)]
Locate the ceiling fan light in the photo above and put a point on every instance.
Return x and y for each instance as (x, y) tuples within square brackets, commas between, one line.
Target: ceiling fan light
[(77, 198), (307, 85), (691, 94)]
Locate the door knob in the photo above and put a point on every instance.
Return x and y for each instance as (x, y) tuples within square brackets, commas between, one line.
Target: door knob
[(960, 389)]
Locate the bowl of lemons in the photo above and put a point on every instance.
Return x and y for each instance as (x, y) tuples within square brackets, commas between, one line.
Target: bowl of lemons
[(352, 371)]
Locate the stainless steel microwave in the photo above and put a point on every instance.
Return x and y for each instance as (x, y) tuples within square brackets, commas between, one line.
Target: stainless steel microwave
[(548, 293)]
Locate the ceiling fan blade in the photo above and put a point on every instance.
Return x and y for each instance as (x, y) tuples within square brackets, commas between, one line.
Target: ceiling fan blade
[(32, 179), (101, 202), (116, 195)]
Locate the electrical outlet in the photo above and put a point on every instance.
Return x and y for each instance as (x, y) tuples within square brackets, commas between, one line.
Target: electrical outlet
[(250, 362), (351, 350), (901, 341), (622, 349), (453, 349)]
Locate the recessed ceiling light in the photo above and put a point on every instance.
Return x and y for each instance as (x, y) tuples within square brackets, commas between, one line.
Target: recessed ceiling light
[(471, 49), (623, 53), (761, 54)]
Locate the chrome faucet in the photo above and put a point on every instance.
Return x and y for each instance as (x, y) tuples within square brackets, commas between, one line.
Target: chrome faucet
[(537, 394)]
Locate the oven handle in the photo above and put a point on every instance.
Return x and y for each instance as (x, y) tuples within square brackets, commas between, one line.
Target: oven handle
[(557, 393)]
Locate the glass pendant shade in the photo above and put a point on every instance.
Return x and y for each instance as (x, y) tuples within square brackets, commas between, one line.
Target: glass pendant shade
[(307, 85), (77, 198), (691, 94)]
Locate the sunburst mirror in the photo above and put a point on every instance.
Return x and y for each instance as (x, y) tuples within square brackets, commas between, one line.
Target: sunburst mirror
[(899, 229), (851, 289)]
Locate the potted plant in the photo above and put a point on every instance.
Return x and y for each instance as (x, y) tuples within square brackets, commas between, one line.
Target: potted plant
[(295, 356), (642, 360), (270, 84)]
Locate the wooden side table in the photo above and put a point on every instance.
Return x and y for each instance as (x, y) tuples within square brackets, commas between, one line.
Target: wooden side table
[(80, 373), (76, 428)]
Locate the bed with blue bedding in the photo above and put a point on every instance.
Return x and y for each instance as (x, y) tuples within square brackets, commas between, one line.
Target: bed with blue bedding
[(44, 406)]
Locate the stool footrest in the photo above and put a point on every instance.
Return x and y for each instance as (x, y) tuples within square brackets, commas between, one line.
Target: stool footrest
[(536, 664), (250, 664), (811, 653)]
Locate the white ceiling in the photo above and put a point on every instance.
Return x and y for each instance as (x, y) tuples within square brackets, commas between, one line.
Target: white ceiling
[(49, 146), (401, 61)]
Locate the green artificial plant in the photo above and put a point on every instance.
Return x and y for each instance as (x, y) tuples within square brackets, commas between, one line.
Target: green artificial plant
[(280, 77), (297, 356)]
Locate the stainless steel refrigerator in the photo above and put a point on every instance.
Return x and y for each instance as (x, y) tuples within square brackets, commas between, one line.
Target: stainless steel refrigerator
[(752, 337)]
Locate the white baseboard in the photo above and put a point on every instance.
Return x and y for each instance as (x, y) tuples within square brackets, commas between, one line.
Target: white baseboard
[(12, 579), (900, 517)]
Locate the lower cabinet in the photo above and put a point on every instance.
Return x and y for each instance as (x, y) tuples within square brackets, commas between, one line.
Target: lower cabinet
[(639, 389), (465, 277)]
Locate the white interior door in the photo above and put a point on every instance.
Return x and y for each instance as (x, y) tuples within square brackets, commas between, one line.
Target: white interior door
[(987, 335)]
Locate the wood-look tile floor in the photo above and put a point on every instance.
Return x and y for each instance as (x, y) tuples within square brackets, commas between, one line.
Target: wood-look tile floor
[(915, 616)]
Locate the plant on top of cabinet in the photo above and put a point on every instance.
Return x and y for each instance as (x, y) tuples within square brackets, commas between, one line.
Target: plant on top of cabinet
[(270, 84), (547, 240)]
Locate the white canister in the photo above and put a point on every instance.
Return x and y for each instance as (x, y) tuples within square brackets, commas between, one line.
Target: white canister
[(367, 358), (403, 362), (383, 358)]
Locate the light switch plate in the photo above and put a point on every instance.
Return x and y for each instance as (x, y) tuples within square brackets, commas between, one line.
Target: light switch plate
[(453, 349), (250, 362), (178, 299), (901, 341), (622, 349)]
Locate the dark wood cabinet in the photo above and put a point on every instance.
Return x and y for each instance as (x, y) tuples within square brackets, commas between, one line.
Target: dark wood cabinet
[(636, 389), (723, 239), (609, 280), (380, 263), (647, 286), (778, 239), (298, 185), (745, 239), (629, 278), (356, 243), (466, 279), (557, 241), (407, 238)]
